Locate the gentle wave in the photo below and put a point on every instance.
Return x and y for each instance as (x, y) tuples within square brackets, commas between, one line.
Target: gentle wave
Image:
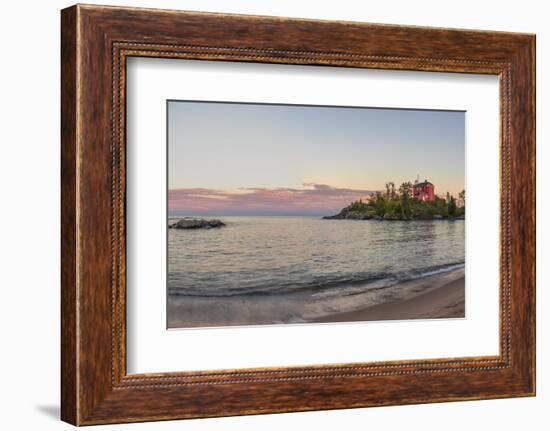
[(278, 255)]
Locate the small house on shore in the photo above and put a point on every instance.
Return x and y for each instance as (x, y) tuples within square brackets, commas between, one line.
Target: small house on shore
[(424, 191)]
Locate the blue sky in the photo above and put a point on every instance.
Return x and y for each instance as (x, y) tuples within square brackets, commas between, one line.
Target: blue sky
[(228, 158)]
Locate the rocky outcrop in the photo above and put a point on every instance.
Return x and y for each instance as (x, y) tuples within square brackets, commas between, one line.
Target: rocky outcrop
[(346, 214), (196, 223)]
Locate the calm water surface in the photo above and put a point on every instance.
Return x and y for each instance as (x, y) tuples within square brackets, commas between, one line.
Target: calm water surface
[(282, 254)]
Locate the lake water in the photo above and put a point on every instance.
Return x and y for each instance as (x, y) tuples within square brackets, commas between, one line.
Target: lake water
[(286, 254)]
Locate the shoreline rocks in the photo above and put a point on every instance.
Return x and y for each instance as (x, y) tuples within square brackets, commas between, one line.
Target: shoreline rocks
[(351, 215), (345, 214), (196, 223)]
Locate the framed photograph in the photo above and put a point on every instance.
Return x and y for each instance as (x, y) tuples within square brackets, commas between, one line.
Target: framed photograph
[(289, 184), (264, 214)]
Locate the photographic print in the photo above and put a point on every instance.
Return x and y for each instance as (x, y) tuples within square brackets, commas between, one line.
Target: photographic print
[(292, 214)]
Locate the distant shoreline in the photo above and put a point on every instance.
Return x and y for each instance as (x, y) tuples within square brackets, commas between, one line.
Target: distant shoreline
[(436, 296), (322, 216), (404, 205), (380, 218)]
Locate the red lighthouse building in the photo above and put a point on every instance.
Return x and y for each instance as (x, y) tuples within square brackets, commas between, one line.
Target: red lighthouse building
[(424, 191)]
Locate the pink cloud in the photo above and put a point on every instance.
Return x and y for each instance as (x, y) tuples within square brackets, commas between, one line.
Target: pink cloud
[(311, 199)]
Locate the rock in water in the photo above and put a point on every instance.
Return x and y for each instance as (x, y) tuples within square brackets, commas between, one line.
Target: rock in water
[(196, 223)]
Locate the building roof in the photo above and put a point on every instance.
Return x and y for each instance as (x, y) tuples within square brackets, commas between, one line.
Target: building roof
[(423, 183)]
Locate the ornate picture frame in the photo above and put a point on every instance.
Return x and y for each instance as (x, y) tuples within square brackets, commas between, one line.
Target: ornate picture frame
[(96, 41)]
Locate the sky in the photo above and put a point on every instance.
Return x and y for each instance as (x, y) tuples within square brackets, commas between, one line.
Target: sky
[(260, 159)]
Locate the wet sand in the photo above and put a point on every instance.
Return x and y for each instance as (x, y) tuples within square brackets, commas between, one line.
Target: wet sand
[(446, 301), (436, 296)]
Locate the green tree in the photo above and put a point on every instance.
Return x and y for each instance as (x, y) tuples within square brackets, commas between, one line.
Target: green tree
[(379, 204), (441, 207), (451, 206), (405, 191), (462, 198)]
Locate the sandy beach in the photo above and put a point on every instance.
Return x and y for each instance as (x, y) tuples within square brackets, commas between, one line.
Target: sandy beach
[(436, 296), (446, 301)]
